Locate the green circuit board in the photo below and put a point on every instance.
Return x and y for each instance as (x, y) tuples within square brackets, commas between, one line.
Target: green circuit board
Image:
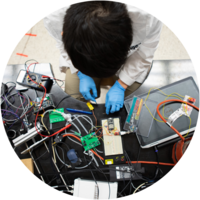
[(90, 141)]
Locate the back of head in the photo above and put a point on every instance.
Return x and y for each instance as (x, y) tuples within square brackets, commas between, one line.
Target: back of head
[(97, 36)]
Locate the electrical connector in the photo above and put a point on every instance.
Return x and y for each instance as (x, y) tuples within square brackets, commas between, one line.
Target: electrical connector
[(90, 106), (68, 117), (125, 132), (58, 139), (70, 191)]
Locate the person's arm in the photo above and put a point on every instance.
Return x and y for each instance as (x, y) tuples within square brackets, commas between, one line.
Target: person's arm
[(124, 85), (138, 64), (136, 67)]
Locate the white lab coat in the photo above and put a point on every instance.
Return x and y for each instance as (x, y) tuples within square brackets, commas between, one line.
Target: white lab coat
[(146, 34)]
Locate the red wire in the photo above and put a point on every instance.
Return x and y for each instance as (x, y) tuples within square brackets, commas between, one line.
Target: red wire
[(40, 107), (154, 163), (41, 100), (177, 100)]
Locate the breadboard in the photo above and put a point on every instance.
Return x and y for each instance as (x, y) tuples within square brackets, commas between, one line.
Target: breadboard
[(112, 143)]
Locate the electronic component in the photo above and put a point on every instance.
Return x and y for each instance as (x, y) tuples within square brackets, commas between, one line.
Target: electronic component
[(125, 172), (186, 108), (73, 158), (89, 190), (58, 138), (90, 106), (56, 117), (132, 119), (113, 148), (111, 125), (47, 103), (90, 141), (24, 79), (112, 139)]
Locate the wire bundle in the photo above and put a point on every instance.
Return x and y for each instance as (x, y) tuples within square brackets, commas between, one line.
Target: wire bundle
[(11, 113)]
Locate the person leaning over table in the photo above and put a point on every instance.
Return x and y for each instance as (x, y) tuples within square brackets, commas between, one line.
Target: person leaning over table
[(100, 39)]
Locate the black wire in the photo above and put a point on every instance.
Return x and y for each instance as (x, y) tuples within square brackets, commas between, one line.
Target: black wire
[(156, 151), (145, 179), (94, 179), (158, 167), (65, 145), (131, 164), (83, 171), (119, 194), (41, 156), (55, 177), (126, 186), (156, 173), (62, 153), (105, 177)]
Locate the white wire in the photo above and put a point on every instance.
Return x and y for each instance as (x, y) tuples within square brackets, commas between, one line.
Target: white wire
[(83, 116), (85, 165), (74, 140), (60, 158), (14, 105), (76, 127), (98, 150), (81, 125), (91, 122), (139, 187), (68, 165), (24, 109)]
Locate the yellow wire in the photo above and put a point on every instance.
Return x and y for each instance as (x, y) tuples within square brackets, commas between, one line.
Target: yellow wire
[(93, 128), (164, 104), (170, 95), (44, 124)]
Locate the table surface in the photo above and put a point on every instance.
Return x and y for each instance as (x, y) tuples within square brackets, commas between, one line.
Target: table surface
[(162, 73)]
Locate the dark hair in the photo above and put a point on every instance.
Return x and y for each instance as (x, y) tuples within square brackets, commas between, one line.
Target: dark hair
[(97, 36)]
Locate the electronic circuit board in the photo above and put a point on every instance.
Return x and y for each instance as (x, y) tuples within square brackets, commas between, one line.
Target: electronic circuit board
[(47, 103), (90, 141), (56, 117)]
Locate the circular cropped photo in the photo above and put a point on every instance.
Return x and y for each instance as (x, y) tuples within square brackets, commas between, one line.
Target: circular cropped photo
[(99, 100)]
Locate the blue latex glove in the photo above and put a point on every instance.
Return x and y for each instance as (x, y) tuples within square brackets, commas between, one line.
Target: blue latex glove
[(86, 84), (114, 98)]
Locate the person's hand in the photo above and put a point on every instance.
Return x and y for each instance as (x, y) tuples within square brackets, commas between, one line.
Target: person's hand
[(86, 84), (115, 98)]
